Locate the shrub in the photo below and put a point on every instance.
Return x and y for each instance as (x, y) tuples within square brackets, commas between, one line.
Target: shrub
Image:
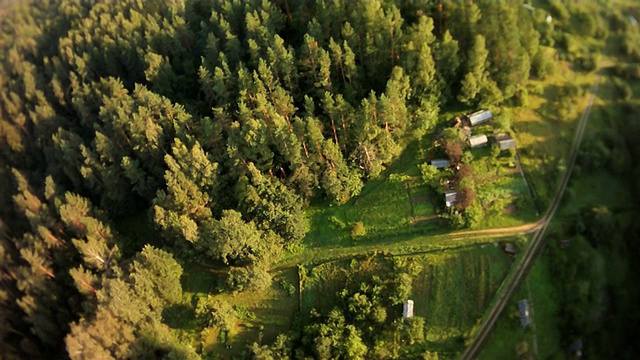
[(288, 287), (215, 312), (243, 313), (358, 230), (521, 97), (337, 222), (248, 278)]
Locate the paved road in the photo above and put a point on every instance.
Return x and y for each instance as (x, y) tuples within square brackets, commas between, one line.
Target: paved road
[(537, 242)]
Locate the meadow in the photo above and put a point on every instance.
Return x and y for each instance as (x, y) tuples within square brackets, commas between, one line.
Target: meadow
[(261, 315), (465, 278)]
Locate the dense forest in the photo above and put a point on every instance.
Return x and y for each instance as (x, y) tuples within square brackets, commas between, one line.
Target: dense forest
[(214, 123)]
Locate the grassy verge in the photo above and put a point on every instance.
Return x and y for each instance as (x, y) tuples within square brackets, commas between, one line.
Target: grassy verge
[(542, 340)]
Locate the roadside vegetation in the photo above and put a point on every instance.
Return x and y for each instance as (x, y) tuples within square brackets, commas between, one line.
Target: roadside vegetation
[(588, 264)]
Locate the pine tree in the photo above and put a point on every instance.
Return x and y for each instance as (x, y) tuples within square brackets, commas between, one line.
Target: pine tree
[(235, 241), (191, 188)]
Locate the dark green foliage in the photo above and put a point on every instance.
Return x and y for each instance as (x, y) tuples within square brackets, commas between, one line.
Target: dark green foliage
[(412, 330), (222, 120), (234, 241), (215, 312), (252, 278)]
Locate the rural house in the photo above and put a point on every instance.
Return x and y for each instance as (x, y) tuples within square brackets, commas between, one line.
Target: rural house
[(407, 309), (523, 307), (450, 198), (478, 140), (480, 117), (505, 142), (440, 163)]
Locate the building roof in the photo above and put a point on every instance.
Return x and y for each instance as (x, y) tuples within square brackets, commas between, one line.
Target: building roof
[(523, 308), (480, 117), (505, 141), (440, 163), (450, 198), (478, 140), (509, 248), (407, 309)]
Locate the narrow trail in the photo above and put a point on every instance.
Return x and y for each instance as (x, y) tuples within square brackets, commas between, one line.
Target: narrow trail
[(326, 255)]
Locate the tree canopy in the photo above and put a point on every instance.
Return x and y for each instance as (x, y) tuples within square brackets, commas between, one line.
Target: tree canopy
[(213, 123)]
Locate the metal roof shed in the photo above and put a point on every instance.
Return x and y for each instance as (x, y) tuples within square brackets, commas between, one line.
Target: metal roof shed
[(440, 163), (407, 309), (523, 307), (505, 142), (480, 117), (478, 140), (450, 198)]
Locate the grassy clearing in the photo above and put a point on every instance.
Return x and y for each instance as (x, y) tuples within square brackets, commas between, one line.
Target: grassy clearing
[(501, 191), (508, 335), (544, 128), (545, 309), (261, 317), (508, 339), (451, 291), (599, 188), (384, 206), (454, 289)]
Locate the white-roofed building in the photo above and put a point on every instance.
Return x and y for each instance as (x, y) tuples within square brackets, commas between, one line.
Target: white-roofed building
[(478, 140), (407, 309), (480, 117)]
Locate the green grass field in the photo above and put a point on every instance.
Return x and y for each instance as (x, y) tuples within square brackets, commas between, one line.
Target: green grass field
[(544, 128), (543, 336), (266, 314), (453, 291), (384, 206), (262, 314)]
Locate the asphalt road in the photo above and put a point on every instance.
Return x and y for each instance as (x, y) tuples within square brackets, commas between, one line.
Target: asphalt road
[(537, 242)]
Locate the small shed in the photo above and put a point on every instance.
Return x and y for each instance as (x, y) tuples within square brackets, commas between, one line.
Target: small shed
[(576, 348), (478, 140), (505, 142), (480, 117), (510, 249), (450, 198), (440, 163), (523, 308), (407, 309)]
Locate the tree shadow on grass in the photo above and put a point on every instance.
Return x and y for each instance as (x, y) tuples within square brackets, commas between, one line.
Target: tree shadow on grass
[(180, 316)]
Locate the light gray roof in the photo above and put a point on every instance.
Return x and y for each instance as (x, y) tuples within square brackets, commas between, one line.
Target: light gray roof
[(480, 117), (407, 309), (505, 142), (478, 140), (440, 163), (450, 198)]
